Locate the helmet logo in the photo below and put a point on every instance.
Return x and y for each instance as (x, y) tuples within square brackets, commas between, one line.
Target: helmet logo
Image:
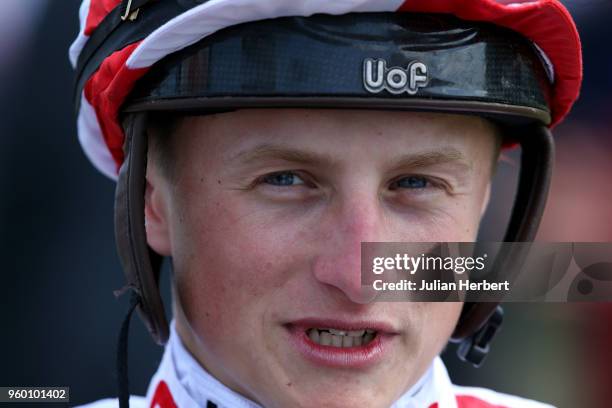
[(396, 80)]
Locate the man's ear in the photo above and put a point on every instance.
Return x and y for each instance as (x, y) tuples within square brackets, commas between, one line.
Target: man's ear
[(157, 220)]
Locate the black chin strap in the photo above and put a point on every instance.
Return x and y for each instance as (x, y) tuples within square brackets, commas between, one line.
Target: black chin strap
[(537, 158), (122, 351)]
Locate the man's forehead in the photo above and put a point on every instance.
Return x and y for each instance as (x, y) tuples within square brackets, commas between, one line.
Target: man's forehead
[(348, 128)]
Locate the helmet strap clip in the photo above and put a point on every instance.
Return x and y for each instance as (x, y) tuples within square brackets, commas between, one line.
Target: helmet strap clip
[(475, 348)]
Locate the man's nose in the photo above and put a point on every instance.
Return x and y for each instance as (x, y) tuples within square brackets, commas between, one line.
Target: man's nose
[(338, 263)]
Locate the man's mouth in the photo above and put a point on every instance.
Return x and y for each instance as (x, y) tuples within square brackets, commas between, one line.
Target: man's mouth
[(346, 343), (341, 338)]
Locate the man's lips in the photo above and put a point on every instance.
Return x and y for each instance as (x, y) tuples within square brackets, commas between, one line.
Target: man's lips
[(346, 325), (341, 343)]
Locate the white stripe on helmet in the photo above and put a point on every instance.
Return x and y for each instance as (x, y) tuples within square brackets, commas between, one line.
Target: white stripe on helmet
[(92, 140), (81, 40), (205, 19)]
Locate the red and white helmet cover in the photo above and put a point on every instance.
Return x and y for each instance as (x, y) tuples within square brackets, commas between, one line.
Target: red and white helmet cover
[(547, 23)]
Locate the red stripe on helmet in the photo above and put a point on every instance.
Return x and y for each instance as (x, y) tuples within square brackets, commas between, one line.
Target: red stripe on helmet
[(106, 90), (98, 9), (545, 22)]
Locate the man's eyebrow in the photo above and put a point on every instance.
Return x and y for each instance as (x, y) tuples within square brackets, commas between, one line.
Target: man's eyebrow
[(433, 157), (409, 160), (272, 151)]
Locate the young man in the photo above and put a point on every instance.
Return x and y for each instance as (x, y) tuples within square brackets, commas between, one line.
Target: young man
[(261, 142)]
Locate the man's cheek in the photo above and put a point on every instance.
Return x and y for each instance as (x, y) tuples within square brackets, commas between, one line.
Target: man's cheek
[(233, 269)]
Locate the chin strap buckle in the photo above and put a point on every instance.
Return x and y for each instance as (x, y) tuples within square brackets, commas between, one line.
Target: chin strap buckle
[(475, 348)]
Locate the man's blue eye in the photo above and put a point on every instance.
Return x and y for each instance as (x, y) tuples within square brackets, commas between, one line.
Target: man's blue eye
[(283, 179), (411, 182)]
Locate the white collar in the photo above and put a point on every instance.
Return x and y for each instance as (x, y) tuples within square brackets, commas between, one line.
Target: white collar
[(180, 381)]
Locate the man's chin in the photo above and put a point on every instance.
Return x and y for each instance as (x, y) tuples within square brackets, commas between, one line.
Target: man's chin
[(309, 386), (332, 396)]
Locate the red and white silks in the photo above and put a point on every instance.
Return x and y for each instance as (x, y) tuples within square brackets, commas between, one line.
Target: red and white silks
[(180, 382)]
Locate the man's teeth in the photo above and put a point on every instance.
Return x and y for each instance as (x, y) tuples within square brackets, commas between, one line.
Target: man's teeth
[(341, 338)]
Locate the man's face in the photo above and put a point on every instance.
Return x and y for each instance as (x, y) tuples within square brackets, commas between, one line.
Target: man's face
[(264, 217)]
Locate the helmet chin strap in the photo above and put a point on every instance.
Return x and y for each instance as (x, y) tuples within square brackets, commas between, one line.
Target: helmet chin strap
[(123, 389), (478, 323), (141, 265)]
